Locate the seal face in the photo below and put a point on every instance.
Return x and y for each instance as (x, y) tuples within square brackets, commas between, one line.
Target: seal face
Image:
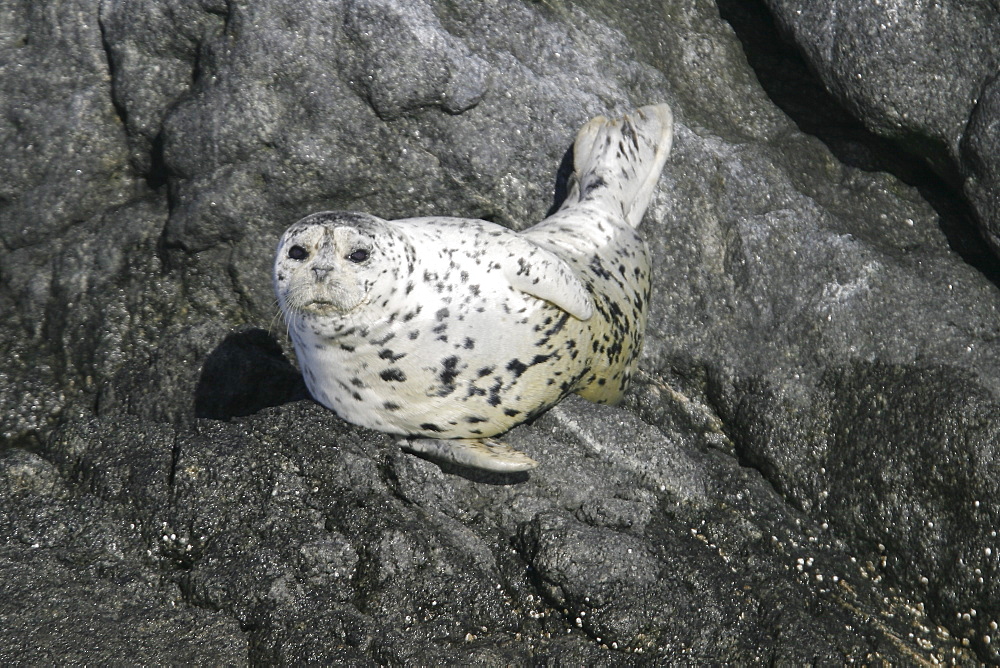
[(451, 328)]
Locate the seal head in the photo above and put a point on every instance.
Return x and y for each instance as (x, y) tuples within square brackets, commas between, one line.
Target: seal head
[(331, 264)]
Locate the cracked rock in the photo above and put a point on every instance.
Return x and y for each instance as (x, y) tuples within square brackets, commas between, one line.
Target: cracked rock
[(804, 470)]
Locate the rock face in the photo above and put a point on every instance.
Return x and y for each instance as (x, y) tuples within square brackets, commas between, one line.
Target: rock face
[(923, 74), (805, 471)]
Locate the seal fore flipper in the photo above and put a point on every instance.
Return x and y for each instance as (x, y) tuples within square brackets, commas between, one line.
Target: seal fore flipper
[(486, 453), (540, 273)]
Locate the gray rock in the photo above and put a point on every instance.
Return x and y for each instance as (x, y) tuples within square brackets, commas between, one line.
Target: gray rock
[(978, 158), (422, 66), (804, 472), (920, 75), (76, 587)]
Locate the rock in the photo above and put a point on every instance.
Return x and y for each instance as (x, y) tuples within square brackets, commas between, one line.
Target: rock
[(422, 66), (919, 75), (77, 588), (803, 472), (978, 158)]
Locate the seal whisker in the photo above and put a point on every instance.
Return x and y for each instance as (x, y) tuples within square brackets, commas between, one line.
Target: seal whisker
[(278, 316)]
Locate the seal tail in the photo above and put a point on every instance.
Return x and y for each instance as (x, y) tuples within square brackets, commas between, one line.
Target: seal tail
[(618, 162)]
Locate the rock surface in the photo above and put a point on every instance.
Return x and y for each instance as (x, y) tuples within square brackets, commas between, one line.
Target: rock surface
[(804, 472), (923, 74)]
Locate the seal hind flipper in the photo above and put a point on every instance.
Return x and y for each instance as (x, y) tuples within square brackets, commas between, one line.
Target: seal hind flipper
[(618, 162), (540, 273), (479, 453)]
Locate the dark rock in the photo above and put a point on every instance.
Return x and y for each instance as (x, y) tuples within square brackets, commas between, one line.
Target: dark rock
[(421, 66), (978, 156), (77, 587), (918, 75), (804, 471)]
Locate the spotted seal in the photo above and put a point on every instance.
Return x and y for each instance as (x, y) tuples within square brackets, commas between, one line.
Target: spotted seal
[(449, 331)]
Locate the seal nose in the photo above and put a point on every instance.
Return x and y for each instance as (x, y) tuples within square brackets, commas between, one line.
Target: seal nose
[(320, 272)]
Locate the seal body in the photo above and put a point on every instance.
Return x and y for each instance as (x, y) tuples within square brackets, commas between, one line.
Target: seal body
[(452, 328)]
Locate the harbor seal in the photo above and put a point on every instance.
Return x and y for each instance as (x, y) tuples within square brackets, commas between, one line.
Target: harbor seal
[(449, 331)]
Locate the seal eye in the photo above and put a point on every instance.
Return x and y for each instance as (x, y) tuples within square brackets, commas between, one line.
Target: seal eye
[(298, 253), (358, 256)]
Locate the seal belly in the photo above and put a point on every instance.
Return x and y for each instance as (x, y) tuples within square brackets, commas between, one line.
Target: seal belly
[(469, 383)]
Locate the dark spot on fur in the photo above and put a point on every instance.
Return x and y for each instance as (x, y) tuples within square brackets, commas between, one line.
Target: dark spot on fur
[(387, 354), (594, 185), (473, 419), (517, 367), (381, 342), (390, 406), (394, 375), (597, 267), (429, 426), (449, 372), (494, 398), (510, 412)]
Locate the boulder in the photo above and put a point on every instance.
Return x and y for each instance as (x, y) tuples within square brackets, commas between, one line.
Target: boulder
[(804, 470)]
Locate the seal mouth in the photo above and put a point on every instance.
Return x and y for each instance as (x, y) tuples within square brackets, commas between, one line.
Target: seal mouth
[(326, 308), (321, 307), (318, 302)]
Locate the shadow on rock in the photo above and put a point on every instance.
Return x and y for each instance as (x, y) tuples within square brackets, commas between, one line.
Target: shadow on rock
[(247, 372), (563, 183)]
